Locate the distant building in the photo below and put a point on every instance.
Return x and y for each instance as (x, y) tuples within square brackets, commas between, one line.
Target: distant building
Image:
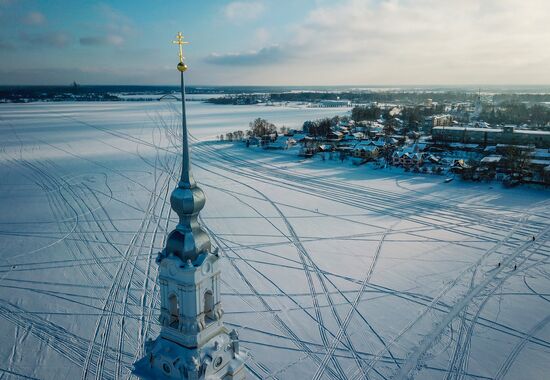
[(437, 121), (491, 136), (477, 108), (334, 103)]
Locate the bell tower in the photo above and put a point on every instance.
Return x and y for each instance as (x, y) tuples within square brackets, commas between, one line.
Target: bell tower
[(193, 342)]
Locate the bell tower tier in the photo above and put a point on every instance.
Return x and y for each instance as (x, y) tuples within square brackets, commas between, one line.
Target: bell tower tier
[(196, 286), (193, 343)]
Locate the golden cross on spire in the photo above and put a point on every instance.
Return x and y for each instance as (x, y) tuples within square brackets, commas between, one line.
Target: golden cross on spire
[(180, 41)]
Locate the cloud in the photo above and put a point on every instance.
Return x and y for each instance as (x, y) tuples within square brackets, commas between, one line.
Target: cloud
[(238, 11), (112, 39), (264, 56), (115, 21), (113, 29), (261, 36), (34, 18), (361, 42), (424, 41), (48, 39)]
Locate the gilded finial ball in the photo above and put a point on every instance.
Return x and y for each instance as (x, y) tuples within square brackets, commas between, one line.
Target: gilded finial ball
[(182, 67)]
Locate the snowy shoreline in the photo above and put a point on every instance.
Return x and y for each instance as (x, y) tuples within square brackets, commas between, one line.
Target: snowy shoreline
[(365, 169)]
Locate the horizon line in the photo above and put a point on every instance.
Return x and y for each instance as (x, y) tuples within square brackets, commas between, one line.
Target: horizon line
[(280, 85)]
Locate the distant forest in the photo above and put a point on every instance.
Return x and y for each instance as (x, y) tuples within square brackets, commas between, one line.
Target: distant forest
[(405, 97), (367, 97), (399, 97), (252, 95), (75, 92)]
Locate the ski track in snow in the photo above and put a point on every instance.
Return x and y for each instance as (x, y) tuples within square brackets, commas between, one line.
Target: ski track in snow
[(91, 250)]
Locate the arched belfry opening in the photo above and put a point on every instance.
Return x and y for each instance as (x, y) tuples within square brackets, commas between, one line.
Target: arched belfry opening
[(208, 307), (174, 310)]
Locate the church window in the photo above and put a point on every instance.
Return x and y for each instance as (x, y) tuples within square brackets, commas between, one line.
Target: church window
[(208, 307), (174, 310)]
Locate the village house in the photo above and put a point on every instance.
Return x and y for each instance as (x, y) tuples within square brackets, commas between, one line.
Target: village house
[(326, 148), (417, 159), (366, 150), (398, 158), (492, 162), (268, 139), (280, 143), (299, 137), (335, 136), (460, 167), (345, 126), (253, 140), (407, 159), (354, 137), (546, 175), (489, 166), (432, 159), (540, 165), (382, 141), (409, 156)]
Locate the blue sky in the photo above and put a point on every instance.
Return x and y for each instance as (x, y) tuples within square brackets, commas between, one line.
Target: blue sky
[(355, 42)]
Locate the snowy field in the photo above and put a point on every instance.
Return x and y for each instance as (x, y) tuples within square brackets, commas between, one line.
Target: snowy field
[(330, 271)]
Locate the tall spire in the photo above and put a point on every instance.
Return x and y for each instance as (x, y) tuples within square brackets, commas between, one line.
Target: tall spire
[(193, 343), (186, 176), (188, 240)]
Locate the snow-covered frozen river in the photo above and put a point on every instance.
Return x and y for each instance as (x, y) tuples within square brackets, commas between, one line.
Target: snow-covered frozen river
[(329, 270)]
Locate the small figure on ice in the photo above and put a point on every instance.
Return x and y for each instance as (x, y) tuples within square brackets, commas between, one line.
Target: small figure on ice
[(533, 237), (515, 266), (498, 264)]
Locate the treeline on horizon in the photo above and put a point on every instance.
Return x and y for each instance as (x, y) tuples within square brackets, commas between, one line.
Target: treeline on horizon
[(76, 92), (403, 97), (45, 92), (252, 95), (379, 96), (412, 97)]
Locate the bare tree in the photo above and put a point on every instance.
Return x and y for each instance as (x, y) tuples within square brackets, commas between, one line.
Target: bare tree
[(388, 130), (517, 160), (261, 127)]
